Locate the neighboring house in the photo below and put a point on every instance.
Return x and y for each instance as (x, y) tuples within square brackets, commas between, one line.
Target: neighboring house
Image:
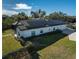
[(29, 28)]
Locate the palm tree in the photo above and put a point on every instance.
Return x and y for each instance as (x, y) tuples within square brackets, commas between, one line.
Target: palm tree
[(61, 13), (33, 14), (22, 16), (38, 14)]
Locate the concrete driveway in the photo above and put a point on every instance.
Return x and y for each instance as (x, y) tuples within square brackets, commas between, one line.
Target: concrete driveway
[(68, 31), (71, 33)]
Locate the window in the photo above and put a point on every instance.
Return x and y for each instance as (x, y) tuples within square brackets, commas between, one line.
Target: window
[(41, 31), (33, 33)]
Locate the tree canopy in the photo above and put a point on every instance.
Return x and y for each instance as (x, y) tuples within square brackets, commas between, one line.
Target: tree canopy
[(38, 14)]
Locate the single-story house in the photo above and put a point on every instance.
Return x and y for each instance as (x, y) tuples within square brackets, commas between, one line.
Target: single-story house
[(35, 27)]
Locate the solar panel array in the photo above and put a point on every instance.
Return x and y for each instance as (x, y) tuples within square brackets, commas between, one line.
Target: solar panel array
[(40, 23)]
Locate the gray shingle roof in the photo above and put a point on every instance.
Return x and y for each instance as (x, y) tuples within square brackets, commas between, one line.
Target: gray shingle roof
[(30, 24)]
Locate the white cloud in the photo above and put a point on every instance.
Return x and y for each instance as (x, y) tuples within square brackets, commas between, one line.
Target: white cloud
[(19, 8), (22, 6), (9, 12)]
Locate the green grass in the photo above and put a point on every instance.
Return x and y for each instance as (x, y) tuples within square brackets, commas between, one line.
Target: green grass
[(57, 46), (9, 44), (60, 49), (9, 31)]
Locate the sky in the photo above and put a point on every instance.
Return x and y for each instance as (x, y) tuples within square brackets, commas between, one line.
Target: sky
[(11, 7)]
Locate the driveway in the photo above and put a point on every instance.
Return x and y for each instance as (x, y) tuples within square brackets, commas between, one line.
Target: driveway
[(71, 33), (68, 31)]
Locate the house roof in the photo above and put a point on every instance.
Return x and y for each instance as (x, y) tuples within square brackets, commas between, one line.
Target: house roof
[(30, 24)]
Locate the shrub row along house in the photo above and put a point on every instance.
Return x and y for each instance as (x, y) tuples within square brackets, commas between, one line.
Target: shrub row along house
[(35, 27)]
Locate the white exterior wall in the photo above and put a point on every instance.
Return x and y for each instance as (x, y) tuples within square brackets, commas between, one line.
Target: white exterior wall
[(28, 33)]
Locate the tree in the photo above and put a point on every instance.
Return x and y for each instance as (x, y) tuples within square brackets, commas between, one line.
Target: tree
[(20, 16), (7, 22), (70, 19), (38, 14), (34, 14), (57, 15), (4, 16)]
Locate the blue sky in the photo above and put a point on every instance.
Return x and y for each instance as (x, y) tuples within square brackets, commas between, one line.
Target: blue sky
[(15, 6)]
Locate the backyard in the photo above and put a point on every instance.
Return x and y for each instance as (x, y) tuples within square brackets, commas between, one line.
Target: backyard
[(9, 43), (49, 46), (62, 49), (54, 46)]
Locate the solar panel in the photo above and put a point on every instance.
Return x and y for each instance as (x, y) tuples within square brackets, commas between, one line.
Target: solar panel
[(40, 23)]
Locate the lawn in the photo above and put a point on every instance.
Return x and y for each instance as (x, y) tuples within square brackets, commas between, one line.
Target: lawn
[(9, 44), (9, 31), (54, 46), (61, 49)]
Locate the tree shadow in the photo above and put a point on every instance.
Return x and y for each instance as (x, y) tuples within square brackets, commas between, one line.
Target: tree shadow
[(46, 40), (43, 41), (34, 55)]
